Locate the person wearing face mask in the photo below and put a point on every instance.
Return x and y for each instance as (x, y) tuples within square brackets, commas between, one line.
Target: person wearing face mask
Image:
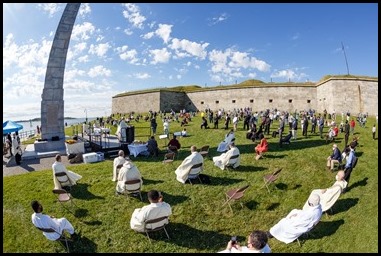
[(329, 196)]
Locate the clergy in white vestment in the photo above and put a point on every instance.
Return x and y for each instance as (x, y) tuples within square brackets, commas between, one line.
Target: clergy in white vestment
[(41, 220), (224, 145), (156, 209), (183, 170), (15, 144), (330, 195), (121, 133), (57, 167), (118, 161), (222, 160), (129, 171), (298, 222)]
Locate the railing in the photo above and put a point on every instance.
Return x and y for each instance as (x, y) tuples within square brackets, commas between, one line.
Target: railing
[(27, 134)]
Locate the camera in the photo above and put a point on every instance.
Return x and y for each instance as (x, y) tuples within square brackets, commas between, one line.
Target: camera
[(234, 239)]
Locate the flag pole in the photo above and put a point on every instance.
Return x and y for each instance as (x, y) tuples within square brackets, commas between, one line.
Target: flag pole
[(346, 62)]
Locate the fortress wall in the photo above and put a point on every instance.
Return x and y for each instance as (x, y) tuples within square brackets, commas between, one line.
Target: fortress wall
[(258, 98), (335, 94), (348, 94), (139, 103)]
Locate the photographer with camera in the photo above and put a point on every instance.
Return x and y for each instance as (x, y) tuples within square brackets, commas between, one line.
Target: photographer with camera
[(256, 243)]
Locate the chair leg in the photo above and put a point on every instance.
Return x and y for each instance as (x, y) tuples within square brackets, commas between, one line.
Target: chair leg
[(267, 187), (149, 239), (166, 233), (199, 179), (297, 239)]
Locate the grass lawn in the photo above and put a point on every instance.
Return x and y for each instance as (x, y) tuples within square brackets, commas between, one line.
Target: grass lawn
[(199, 222)]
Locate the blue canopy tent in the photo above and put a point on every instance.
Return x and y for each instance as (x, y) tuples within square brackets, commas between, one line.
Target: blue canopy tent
[(10, 126)]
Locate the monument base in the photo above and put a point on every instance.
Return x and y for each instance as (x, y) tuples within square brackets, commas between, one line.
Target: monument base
[(46, 146)]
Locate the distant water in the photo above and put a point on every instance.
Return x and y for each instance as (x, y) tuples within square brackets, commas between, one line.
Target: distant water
[(32, 125)]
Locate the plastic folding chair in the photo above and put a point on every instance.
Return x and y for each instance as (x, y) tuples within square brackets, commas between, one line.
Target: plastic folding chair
[(62, 237), (204, 151), (129, 191), (231, 162), (64, 180), (195, 172), (64, 197)]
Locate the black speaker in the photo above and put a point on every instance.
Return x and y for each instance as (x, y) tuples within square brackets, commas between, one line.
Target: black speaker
[(130, 131), (55, 138)]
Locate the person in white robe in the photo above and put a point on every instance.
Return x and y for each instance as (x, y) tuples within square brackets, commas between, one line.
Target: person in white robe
[(224, 145), (330, 195), (120, 160), (184, 168), (15, 144), (156, 209), (120, 132), (298, 222), (57, 167), (129, 171), (222, 160), (41, 220)]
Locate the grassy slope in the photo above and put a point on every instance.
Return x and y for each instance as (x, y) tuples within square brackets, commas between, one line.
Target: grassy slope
[(199, 223)]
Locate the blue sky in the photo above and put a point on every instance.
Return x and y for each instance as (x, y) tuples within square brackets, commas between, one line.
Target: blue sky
[(125, 47)]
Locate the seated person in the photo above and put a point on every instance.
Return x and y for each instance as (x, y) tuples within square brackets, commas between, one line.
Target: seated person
[(152, 146), (222, 160), (184, 168), (174, 143), (224, 145), (41, 220), (57, 167), (263, 146), (118, 161), (184, 132), (286, 139), (256, 243), (335, 157), (332, 133), (129, 171), (156, 209), (297, 222), (330, 195)]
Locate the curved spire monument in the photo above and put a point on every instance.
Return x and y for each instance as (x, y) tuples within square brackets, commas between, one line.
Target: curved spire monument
[(52, 104)]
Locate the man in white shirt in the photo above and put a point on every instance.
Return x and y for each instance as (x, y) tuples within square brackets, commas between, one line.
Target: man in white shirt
[(129, 171), (118, 161), (41, 220), (156, 209), (57, 167), (256, 243), (184, 169), (222, 160)]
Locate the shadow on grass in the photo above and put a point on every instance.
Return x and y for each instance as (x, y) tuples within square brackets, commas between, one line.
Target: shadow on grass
[(252, 205), (171, 199), (359, 183), (153, 182), (189, 237), (273, 206), (248, 168), (359, 153), (296, 145), (324, 228), (80, 191), (343, 205), (218, 181), (281, 186), (83, 245), (269, 156)]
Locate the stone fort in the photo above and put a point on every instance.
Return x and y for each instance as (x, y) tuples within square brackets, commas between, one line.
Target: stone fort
[(335, 93)]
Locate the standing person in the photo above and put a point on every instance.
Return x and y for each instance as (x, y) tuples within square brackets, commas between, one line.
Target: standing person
[(346, 133), (294, 128), (349, 165), (120, 160), (256, 243), (57, 167), (41, 220), (8, 144), (235, 122), (166, 126), (153, 125), (216, 117), (227, 121), (15, 144), (156, 209), (374, 131), (352, 124), (184, 168)]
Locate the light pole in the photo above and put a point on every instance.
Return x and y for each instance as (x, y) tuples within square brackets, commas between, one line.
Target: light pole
[(86, 115)]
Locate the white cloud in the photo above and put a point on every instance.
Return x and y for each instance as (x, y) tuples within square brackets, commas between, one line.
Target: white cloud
[(82, 31), (218, 19), (100, 50), (288, 74), (160, 55), (83, 59), (50, 8), (149, 35), (142, 75), (84, 10), (186, 48), (132, 14), (128, 31), (164, 32), (188, 64), (230, 64), (129, 55), (295, 37), (99, 71), (178, 77)]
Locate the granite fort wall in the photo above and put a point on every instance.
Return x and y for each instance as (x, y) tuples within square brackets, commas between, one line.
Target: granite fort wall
[(334, 94)]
